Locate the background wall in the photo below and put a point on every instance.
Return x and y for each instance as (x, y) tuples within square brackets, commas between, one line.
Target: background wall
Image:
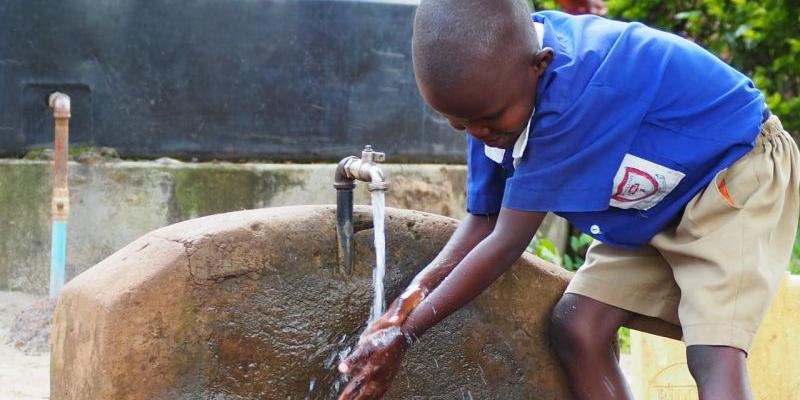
[(236, 80), (114, 202)]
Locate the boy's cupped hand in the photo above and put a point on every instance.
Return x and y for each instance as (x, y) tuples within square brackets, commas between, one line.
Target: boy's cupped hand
[(380, 349), (373, 364)]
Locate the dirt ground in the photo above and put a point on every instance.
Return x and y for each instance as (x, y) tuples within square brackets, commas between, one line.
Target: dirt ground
[(24, 346)]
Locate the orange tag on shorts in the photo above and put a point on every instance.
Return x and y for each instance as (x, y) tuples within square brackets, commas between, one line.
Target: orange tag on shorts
[(723, 190)]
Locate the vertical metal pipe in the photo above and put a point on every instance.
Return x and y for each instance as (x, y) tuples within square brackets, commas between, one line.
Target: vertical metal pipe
[(344, 229), (344, 185), (60, 103)]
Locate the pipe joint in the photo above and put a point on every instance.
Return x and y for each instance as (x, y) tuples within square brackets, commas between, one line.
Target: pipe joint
[(59, 204), (341, 178), (60, 103)]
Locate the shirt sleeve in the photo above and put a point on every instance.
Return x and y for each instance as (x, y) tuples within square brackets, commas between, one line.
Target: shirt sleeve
[(486, 180), (574, 152)]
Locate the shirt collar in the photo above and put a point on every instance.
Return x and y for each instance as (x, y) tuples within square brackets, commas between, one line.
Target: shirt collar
[(495, 154)]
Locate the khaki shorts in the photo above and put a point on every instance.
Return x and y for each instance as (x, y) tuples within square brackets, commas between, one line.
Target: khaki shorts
[(715, 272)]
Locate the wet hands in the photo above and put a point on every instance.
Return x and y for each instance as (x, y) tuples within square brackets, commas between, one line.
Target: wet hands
[(399, 310), (374, 363), (377, 356)]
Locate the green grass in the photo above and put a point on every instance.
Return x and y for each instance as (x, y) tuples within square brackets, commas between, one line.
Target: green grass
[(624, 335), (794, 263)]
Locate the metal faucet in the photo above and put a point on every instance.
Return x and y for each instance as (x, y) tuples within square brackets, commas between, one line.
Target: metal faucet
[(348, 171)]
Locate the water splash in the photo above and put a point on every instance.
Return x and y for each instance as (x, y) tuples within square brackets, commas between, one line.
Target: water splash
[(378, 216)]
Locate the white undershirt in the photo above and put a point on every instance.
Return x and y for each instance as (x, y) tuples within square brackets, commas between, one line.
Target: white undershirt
[(495, 154)]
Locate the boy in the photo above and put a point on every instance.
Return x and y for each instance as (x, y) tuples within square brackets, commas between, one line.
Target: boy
[(667, 156)]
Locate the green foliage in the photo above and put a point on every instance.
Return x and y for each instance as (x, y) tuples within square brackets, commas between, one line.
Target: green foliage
[(543, 4), (543, 248), (38, 153), (794, 264), (624, 335), (760, 38), (573, 258), (578, 244)]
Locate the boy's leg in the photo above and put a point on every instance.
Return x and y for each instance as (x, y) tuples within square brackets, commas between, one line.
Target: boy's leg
[(719, 371), (654, 326), (615, 287), (582, 330)]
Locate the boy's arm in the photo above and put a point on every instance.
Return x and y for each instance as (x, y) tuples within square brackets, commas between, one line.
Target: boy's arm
[(375, 360), (470, 231), (483, 265)]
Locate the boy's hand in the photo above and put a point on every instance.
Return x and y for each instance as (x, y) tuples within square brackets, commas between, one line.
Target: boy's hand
[(373, 364), (380, 349), (398, 311)]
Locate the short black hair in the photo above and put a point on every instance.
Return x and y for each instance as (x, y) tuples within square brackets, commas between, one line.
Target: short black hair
[(451, 37)]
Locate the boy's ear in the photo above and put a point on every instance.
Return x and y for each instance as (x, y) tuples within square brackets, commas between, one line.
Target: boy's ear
[(542, 59)]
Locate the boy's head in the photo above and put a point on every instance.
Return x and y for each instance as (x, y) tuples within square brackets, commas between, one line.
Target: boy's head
[(477, 62)]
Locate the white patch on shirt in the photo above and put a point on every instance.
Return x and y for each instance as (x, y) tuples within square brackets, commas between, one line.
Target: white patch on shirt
[(641, 184)]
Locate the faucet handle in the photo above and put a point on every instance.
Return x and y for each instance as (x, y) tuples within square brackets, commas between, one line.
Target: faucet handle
[(372, 156)]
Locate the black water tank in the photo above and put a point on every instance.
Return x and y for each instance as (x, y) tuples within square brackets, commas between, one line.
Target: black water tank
[(273, 80)]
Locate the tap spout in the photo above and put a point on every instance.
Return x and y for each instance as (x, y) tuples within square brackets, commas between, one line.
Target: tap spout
[(364, 169), (347, 172)]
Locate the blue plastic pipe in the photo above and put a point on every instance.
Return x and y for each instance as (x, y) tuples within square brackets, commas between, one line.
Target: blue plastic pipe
[(58, 258)]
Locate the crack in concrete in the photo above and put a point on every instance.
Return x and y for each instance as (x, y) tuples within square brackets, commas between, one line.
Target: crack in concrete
[(187, 245)]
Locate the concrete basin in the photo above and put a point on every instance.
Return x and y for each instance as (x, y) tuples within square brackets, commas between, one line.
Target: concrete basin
[(251, 305)]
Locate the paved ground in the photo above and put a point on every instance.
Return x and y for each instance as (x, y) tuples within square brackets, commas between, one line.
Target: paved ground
[(22, 376)]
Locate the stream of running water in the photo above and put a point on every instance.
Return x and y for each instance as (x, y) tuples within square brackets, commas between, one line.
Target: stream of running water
[(378, 216)]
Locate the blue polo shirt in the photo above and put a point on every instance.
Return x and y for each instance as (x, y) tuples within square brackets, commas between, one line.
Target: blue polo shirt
[(630, 124)]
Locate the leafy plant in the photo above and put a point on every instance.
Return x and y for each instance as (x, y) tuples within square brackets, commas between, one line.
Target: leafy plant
[(544, 248), (624, 335), (578, 244), (573, 257), (543, 4)]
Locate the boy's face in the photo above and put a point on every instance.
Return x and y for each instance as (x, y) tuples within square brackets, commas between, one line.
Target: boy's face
[(494, 105)]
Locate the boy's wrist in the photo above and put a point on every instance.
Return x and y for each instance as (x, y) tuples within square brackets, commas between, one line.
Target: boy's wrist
[(409, 336)]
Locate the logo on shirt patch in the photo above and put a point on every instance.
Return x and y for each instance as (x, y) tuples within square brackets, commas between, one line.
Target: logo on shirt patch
[(641, 184), (637, 185)]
